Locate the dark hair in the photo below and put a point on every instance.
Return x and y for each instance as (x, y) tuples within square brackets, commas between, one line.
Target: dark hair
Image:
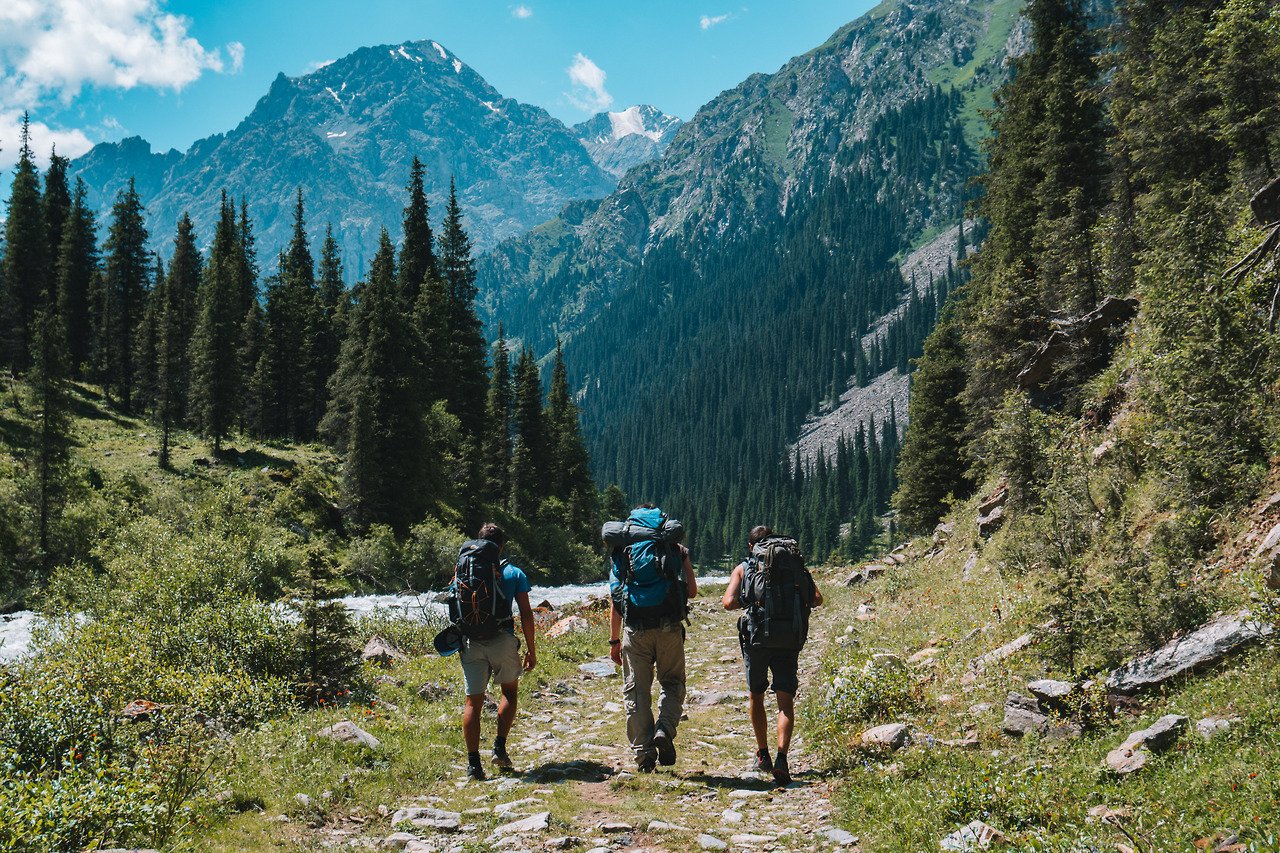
[(647, 506), (493, 533), (760, 531)]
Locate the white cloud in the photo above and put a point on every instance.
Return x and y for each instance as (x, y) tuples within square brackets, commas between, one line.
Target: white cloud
[(235, 50), (522, 11), (70, 143), (588, 92), (709, 21)]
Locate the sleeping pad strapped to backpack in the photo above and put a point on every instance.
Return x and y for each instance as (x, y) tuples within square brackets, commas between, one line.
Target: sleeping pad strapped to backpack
[(477, 605), (777, 594), (647, 579)]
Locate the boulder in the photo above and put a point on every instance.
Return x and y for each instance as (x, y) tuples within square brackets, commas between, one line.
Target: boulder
[(1133, 753), (942, 532), (1124, 760), (427, 817), (989, 523), (969, 565), (381, 652), (397, 840), (602, 668), (1078, 334), (1053, 693), (856, 577), (346, 731), (1269, 553), (567, 625), (710, 842), (889, 736), (974, 835), (1203, 647), (533, 823), (1022, 716), (996, 499)]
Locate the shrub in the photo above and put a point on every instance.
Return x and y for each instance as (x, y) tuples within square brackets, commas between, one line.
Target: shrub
[(855, 696)]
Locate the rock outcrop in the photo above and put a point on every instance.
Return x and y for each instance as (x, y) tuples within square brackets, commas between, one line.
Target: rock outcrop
[(1202, 647)]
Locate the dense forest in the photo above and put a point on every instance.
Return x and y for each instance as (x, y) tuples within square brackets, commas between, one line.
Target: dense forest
[(393, 374), (712, 441), (1120, 173)]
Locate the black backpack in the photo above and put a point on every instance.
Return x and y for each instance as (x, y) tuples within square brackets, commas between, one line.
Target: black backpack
[(477, 605), (777, 594)]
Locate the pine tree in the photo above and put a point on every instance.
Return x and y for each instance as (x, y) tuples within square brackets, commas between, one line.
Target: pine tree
[(76, 270), (57, 206), (570, 466), (215, 371), (52, 404), (128, 270), (175, 299), (465, 391), (497, 436), (417, 254), (386, 470), (333, 307), (528, 483), (145, 341), (325, 633), (24, 265)]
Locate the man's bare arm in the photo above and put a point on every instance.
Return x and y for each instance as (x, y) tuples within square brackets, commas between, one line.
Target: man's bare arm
[(731, 599)]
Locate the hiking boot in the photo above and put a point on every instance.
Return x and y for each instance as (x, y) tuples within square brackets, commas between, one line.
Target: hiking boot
[(646, 764), (763, 763), (475, 770), (501, 760), (781, 773), (665, 746)]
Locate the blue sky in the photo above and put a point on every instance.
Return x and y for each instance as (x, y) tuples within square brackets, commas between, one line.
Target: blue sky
[(174, 72)]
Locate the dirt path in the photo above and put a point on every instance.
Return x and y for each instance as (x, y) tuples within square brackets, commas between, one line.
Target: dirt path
[(574, 789)]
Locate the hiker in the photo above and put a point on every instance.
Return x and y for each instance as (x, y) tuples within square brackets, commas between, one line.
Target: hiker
[(650, 584), (777, 592), (484, 587)]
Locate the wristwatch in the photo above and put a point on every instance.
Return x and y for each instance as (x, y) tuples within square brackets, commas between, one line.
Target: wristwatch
[(615, 642)]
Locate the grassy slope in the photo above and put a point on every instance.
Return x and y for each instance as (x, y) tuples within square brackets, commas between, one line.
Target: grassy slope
[(1039, 792)]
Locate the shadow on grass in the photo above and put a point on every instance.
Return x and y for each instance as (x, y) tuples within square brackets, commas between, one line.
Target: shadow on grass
[(255, 458), (802, 779), (578, 770)]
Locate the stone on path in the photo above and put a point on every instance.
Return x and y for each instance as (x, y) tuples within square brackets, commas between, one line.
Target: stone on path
[(730, 816), (750, 839), (346, 731), (602, 668), (888, 736), (975, 835), (428, 817), (663, 826), (1202, 647), (532, 823), (710, 842), (840, 837), (397, 840), (615, 826)]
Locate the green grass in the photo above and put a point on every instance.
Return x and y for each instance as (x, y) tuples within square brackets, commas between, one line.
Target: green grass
[(1039, 792)]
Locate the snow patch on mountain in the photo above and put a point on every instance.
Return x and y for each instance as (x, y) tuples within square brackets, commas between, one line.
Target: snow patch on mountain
[(617, 141), (408, 55), (440, 50), (630, 121)]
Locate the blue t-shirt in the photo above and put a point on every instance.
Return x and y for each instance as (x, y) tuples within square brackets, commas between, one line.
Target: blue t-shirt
[(514, 582)]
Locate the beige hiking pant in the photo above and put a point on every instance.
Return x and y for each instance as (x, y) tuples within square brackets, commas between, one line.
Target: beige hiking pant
[(644, 653)]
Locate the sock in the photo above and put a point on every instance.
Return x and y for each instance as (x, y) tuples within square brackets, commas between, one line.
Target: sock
[(499, 744), (473, 758)]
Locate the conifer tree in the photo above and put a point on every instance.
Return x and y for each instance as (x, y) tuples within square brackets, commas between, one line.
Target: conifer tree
[(385, 475), (175, 299), (145, 342), (24, 268), (497, 435), (530, 452), (76, 271), (128, 271), (215, 369), (417, 254), (52, 404), (570, 471), (325, 633), (465, 391), (57, 206), (333, 306), (433, 316)]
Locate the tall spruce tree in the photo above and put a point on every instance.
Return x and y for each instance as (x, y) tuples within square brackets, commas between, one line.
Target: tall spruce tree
[(128, 271), (76, 270), (57, 207), (465, 390), (529, 458), (145, 342), (385, 474), (417, 254), (215, 368), (333, 308), (51, 395), (176, 300), (25, 263), (571, 467), (497, 436)]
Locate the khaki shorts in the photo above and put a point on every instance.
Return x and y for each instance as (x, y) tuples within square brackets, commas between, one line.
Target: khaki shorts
[(484, 660)]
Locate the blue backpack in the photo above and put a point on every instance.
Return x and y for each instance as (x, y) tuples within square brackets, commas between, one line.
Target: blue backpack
[(647, 576)]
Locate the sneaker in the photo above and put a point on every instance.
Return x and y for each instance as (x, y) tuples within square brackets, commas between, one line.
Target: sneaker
[(763, 763), (475, 771), (665, 746), (501, 760), (781, 773)]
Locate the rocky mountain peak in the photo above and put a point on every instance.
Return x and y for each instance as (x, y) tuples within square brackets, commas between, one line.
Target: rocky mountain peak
[(617, 141)]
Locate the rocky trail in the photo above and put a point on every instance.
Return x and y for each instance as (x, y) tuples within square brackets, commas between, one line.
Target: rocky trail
[(574, 787)]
